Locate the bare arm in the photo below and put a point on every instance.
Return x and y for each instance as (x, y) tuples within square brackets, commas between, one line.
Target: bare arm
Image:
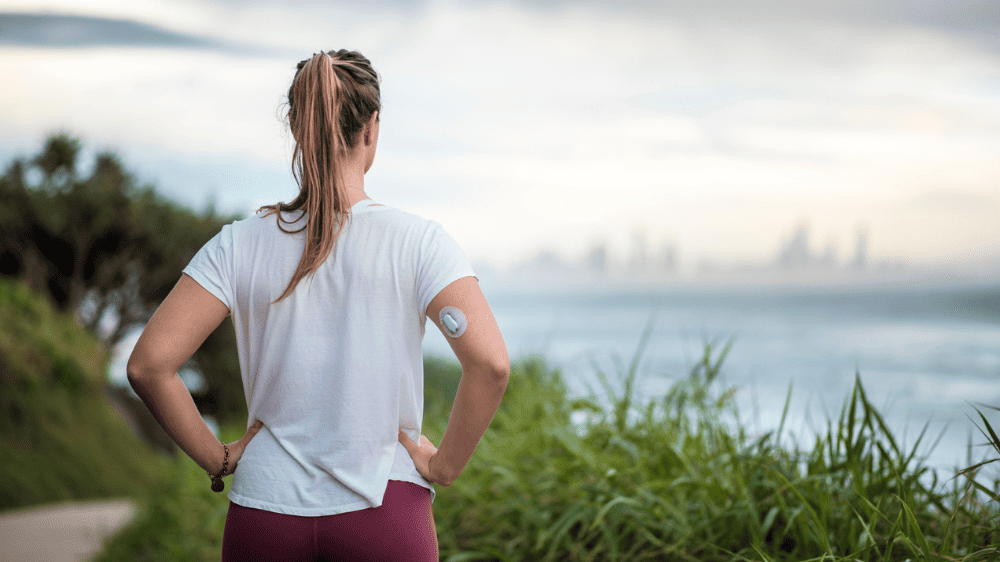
[(485, 370), (177, 329)]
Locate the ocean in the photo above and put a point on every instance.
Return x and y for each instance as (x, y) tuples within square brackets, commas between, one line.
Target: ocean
[(924, 355)]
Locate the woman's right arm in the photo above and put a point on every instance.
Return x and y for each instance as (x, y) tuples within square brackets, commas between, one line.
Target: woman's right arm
[(485, 371)]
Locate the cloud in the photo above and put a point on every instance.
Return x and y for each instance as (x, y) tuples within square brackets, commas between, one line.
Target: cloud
[(74, 32), (977, 20), (188, 101), (45, 30), (718, 124)]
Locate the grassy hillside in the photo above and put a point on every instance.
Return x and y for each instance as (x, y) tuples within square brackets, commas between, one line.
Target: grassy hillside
[(59, 437)]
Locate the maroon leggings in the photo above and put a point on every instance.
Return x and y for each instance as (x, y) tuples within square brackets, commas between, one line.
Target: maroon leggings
[(402, 528)]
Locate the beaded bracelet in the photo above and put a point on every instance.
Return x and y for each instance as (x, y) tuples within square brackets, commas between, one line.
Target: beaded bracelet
[(217, 483)]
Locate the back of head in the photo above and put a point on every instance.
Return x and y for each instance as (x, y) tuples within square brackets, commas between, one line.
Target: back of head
[(332, 96)]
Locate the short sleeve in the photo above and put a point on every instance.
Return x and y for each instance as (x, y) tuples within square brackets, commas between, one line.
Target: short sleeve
[(442, 262), (212, 267)]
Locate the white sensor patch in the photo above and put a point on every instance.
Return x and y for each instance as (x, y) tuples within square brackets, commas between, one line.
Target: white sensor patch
[(453, 321)]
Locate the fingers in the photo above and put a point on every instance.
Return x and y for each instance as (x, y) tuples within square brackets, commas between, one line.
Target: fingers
[(421, 454), (251, 432), (424, 448), (412, 448), (408, 443), (238, 447)]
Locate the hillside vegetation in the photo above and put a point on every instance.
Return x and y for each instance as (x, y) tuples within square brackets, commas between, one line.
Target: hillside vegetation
[(97, 243), (59, 437), (667, 480)]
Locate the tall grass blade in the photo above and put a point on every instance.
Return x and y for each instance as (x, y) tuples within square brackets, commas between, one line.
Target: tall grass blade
[(641, 348), (607, 507), (865, 540), (784, 414), (915, 529), (974, 467), (715, 368), (763, 557), (815, 522), (852, 411), (997, 408), (610, 392), (992, 437)]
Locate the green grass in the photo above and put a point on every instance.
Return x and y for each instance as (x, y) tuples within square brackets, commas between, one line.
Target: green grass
[(59, 439), (670, 480), (667, 480), (179, 518)]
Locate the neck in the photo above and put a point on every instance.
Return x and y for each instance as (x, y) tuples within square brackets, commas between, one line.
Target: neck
[(355, 194), (354, 180)]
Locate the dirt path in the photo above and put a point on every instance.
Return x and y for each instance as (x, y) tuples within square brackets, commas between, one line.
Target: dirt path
[(63, 532)]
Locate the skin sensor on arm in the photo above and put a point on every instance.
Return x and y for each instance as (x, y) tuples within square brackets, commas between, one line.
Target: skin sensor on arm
[(453, 321)]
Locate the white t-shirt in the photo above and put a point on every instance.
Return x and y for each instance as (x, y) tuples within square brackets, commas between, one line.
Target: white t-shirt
[(335, 369)]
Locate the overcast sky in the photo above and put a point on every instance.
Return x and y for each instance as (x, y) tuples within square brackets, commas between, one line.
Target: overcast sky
[(716, 126)]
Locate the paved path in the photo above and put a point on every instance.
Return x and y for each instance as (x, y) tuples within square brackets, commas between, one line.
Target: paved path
[(63, 532)]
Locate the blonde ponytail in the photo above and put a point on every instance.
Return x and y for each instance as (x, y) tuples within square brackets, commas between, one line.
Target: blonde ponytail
[(330, 99)]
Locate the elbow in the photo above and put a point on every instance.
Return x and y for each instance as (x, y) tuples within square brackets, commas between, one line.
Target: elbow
[(132, 369), (499, 371), (137, 370), (446, 480), (497, 366), (440, 475), (134, 374), (491, 372)]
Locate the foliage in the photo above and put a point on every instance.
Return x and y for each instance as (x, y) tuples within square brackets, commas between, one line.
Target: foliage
[(179, 517), (59, 439), (669, 480), (104, 247), (661, 481)]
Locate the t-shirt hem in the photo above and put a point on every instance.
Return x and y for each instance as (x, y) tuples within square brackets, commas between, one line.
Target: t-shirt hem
[(292, 510), (403, 477), (320, 511)]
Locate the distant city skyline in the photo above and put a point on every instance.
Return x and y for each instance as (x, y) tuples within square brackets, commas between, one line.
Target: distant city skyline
[(796, 259)]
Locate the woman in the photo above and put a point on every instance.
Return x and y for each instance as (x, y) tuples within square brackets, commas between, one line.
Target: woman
[(329, 296)]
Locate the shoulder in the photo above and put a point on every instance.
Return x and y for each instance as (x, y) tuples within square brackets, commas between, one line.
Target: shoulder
[(269, 217), (265, 222), (404, 221), (251, 230), (429, 236)]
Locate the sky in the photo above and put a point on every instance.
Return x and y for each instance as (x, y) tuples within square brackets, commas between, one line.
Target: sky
[(716, 128)]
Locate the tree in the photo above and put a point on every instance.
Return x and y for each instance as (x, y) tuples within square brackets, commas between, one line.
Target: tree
[(104, 247)]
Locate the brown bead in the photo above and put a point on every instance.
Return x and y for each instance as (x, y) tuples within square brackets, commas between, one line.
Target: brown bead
[(218, 485)]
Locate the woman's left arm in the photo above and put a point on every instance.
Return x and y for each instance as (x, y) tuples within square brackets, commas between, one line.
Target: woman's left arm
[(177, 329)]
